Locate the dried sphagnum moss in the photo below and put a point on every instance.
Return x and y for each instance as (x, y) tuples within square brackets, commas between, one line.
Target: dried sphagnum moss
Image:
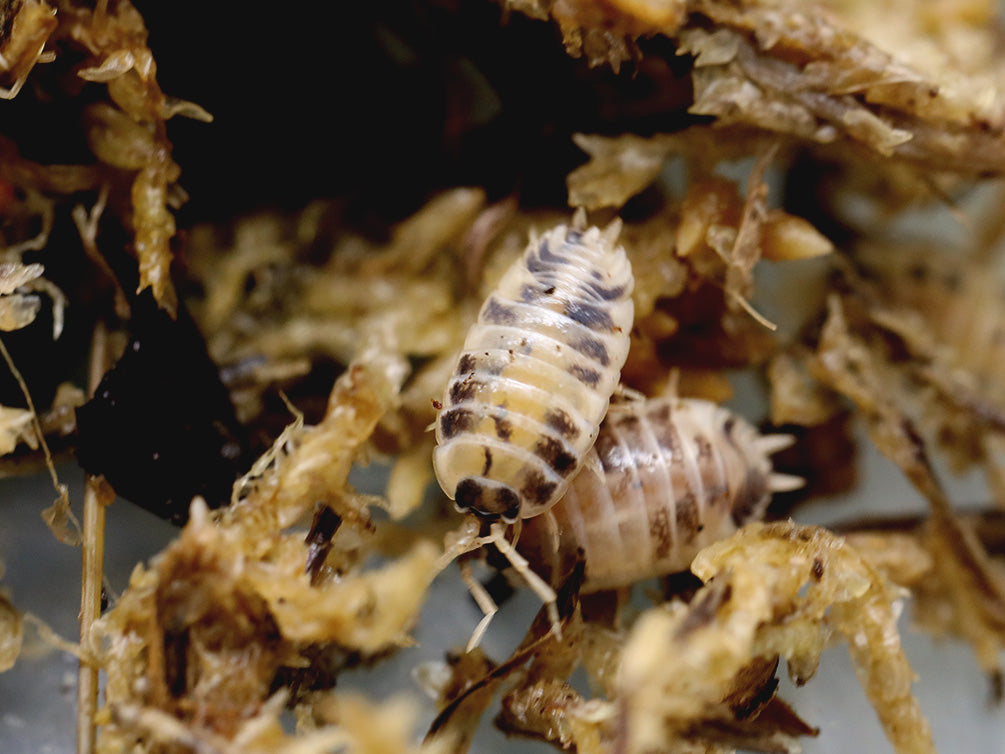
[(228, 625), (778, 68), (698, 676), (776, 589), (202, 634)]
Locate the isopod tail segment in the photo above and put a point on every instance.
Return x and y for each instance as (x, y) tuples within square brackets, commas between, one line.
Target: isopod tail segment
[(464, 543), (610, 234), (778, 482)]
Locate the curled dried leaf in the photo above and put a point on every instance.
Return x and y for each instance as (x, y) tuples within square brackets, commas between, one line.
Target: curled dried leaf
[(60, 519), (16, 426), (619, 168)]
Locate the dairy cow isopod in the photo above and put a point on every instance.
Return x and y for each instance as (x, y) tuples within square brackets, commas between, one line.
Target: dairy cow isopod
[(666, 477), (536, 374)]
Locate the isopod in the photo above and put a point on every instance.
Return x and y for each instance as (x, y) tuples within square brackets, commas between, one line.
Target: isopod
[(666, 477), (536, 374)]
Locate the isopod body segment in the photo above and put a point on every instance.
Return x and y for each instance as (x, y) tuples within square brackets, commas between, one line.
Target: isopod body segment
[(535, 375), (666, 477)]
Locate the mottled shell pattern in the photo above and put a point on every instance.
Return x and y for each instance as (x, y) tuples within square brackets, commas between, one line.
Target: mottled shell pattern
[(535, 376), (666, 477)]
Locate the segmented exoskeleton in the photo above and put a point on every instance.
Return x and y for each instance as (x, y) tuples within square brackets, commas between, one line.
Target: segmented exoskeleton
[(536, 374), (666, 477)]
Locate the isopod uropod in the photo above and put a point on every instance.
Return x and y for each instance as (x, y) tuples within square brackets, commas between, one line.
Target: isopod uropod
[(536, 374), (666, 477)]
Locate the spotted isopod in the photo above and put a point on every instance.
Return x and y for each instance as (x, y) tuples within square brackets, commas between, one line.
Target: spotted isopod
[(536, 374), (666, 477)]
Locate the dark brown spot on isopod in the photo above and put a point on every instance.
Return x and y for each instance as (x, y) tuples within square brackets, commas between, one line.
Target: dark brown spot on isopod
[(507, 502), (749, 497), (547, 255), (629, 423), (497, 313), (704, 447), (585, 375), (668, 439), (489, 501), (535, 265), (660, 415), (484, 362), (464, 389), (659, 530), (504, 427), (589, 315), (554, 453), (687, 517), (542, 259), (456, 420), (560, 421), (605, 294), (488, 462), (468, 493), (715, 493), (536, 488), (593, 348)]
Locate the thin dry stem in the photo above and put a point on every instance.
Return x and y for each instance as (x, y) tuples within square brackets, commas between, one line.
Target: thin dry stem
[(93, 552), (60, 488)]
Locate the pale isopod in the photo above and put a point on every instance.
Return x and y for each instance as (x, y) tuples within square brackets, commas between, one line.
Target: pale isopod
[(666, 477), (536, 374)]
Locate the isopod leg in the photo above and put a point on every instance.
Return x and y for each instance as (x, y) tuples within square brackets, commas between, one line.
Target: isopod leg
[(459, 542), (485, 602), (538, 585), (554, 535), (626, 394)]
